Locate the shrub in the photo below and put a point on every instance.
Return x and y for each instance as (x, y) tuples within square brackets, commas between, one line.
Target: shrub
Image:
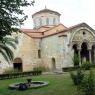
[(76, 60), (40, 68), (88, 84), (86, 65), (67, 69), (10, 70), (77, 77)]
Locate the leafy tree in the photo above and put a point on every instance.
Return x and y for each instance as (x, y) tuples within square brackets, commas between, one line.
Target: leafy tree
[(5, 49), (9, 11), (9, 20)]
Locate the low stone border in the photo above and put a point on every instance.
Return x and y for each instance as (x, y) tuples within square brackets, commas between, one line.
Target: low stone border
[(34, 84)]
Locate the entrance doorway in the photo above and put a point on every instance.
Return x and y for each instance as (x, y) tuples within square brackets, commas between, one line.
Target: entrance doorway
[(17, 65), (53, 64)]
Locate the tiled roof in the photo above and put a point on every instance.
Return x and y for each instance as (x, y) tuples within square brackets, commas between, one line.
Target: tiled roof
[(78, 25), (32, 32), (72, 27), (29, 30), (35, 33)]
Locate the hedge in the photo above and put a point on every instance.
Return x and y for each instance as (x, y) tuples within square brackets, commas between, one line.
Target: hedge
[(67, 69), (19, 74)]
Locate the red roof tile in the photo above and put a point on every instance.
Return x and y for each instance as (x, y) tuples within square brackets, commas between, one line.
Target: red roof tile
[(35, 33)]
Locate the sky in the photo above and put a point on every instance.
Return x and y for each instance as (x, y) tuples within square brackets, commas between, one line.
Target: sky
[(72, 11)]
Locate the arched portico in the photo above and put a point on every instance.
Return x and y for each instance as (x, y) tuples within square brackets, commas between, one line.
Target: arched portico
[(83, 45), (84, 52)]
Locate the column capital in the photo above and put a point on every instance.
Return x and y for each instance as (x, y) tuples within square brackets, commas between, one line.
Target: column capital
[(90, 46), (79, 48), (89, 49)]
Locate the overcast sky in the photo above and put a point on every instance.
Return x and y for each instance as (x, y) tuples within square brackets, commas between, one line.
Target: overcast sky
[(72, 11)]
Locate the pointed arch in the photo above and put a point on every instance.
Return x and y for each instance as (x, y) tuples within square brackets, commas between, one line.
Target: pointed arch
[(80, 29), (17, 64)]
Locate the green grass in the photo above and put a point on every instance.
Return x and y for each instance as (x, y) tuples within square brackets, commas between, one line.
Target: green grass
[(58, 85)]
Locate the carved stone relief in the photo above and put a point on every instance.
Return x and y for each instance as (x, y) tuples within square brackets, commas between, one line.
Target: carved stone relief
[(83, 35)]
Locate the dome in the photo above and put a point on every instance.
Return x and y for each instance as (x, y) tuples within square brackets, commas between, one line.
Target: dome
[(45, 17)]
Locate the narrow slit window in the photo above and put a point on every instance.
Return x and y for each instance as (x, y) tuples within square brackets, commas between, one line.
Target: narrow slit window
[(39, 53)]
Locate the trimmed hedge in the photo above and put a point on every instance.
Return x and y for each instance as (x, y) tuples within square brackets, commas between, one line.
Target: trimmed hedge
[(77, 77), (19, 74), (67, 69)]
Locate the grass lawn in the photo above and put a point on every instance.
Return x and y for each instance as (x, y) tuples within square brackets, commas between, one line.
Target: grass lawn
[(58, 85)]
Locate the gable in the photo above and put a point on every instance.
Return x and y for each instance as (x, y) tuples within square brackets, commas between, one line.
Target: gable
[(82, 34)]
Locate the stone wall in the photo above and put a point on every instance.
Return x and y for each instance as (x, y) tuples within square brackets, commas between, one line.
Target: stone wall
[(51, 48), (28, 52)]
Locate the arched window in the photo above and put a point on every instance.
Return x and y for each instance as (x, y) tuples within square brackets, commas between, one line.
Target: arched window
[(54, 20), (47, 21)]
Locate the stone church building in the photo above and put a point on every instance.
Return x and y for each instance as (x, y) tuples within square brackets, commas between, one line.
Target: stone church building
[(51, 44)]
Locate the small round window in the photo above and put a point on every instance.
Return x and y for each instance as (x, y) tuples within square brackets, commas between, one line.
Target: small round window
[(84, 33)]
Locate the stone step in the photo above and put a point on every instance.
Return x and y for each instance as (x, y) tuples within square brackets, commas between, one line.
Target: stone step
[(58, 71)]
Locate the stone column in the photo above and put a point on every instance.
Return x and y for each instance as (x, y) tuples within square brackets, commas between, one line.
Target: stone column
[(94, 55), (90, 56), (79, 54)]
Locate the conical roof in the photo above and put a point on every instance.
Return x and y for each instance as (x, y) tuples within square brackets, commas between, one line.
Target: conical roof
[(46, 10)]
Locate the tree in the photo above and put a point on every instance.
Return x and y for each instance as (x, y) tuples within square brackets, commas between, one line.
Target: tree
[(9, 11), (5, 49), (9, 20)]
